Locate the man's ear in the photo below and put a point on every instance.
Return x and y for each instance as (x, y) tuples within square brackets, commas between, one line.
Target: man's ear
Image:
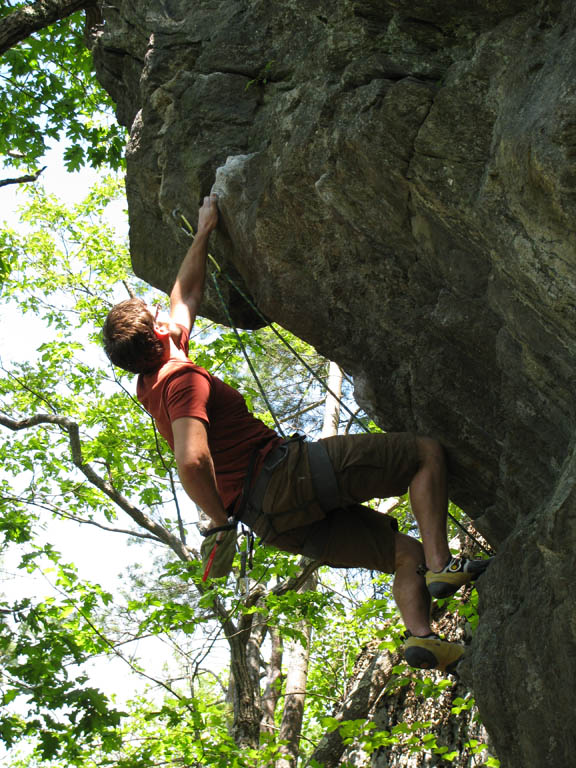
[(161, 331)]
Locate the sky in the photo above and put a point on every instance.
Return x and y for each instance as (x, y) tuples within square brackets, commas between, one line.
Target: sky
[(68, 187), (22, 345)]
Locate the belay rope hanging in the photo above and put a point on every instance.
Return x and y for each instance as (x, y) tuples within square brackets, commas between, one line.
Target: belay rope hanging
[(187, 228)]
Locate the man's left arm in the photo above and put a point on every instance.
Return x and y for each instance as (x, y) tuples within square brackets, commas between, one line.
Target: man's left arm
[(196, 468), (188, 288)]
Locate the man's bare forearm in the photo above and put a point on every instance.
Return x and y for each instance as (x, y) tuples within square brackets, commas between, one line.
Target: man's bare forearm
[(189, 284), (199, 482), (196, 468), (188, 288)]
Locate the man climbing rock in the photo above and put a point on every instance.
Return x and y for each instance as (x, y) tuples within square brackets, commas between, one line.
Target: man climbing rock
[(302, 497)]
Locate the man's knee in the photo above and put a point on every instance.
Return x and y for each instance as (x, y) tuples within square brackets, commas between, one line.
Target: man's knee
[(408, 551), (430, 453)]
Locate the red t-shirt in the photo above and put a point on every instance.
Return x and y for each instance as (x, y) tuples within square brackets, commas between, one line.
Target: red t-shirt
[(179, 389)]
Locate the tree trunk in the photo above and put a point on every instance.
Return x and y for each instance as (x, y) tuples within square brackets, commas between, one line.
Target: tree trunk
[(271, 692), (247, 714), (372, 672), (332, 404), (295, 696)]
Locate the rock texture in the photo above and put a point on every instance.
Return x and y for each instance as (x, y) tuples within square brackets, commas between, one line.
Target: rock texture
[(397, 185)]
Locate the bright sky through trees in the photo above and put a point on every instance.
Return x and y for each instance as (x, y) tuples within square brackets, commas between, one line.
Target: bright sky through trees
[(101, 557)]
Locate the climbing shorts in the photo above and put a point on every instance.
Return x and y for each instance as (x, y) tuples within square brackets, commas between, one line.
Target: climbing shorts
[(366, 466)]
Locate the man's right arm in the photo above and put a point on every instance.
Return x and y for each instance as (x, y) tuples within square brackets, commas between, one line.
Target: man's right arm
[(196, 468), (188, 288)]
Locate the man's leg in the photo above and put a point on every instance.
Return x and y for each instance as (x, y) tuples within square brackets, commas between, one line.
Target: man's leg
[(429, 500), (422, 647), (409, 588), (369, 466)]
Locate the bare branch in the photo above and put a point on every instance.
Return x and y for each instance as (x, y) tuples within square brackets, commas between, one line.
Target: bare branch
[(73, 431), (125, 531), (23, 22), (22, 179), (353, 418), (77, 519), (140, 518), (302, 411)]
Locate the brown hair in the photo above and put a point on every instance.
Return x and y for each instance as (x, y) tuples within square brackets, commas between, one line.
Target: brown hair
[(129, 338)]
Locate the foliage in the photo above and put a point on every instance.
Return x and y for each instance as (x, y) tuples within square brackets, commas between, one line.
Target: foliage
[(65, 262), (49, 93), (63, 712)]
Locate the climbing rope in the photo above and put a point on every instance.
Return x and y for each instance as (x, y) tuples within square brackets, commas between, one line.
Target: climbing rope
[(246, 357), (189, 231)]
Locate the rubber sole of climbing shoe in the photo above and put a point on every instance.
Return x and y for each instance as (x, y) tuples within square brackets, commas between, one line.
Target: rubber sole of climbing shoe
[(432, 653), (449, 581)]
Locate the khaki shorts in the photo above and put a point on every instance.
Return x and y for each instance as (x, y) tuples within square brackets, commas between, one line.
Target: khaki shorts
[(366, 467)]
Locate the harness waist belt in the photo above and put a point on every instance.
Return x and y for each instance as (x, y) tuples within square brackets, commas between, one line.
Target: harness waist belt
[(251, 509), (323, 477), (271, 461)]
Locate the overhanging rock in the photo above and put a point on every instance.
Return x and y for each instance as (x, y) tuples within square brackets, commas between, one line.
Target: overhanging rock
[(397, 186)]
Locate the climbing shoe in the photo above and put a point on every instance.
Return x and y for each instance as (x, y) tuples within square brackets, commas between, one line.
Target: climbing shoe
[(431, 652), (455, 574)]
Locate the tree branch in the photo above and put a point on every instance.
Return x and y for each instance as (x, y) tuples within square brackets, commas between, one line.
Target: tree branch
[(23, 22), (114, 649), (302, 411), (22, 179), (75, 518), (139, 517), (73, 431), (294, 583)]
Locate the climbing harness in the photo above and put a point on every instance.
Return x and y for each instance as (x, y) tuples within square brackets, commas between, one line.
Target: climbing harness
[(250, 507), (321, 467)]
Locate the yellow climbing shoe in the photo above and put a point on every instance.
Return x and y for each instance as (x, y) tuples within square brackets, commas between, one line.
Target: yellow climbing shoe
[(458, 572), (431, 652)]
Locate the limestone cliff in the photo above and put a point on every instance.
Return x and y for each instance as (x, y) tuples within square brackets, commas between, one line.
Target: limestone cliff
[(397, 185)]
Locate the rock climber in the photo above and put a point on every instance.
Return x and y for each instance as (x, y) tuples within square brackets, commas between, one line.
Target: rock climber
[(299, 496)]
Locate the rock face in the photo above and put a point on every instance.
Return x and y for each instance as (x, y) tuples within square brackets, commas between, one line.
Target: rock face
[(397, 185)]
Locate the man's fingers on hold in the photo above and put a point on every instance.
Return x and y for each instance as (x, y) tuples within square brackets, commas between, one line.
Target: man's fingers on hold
[(209, 199)]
